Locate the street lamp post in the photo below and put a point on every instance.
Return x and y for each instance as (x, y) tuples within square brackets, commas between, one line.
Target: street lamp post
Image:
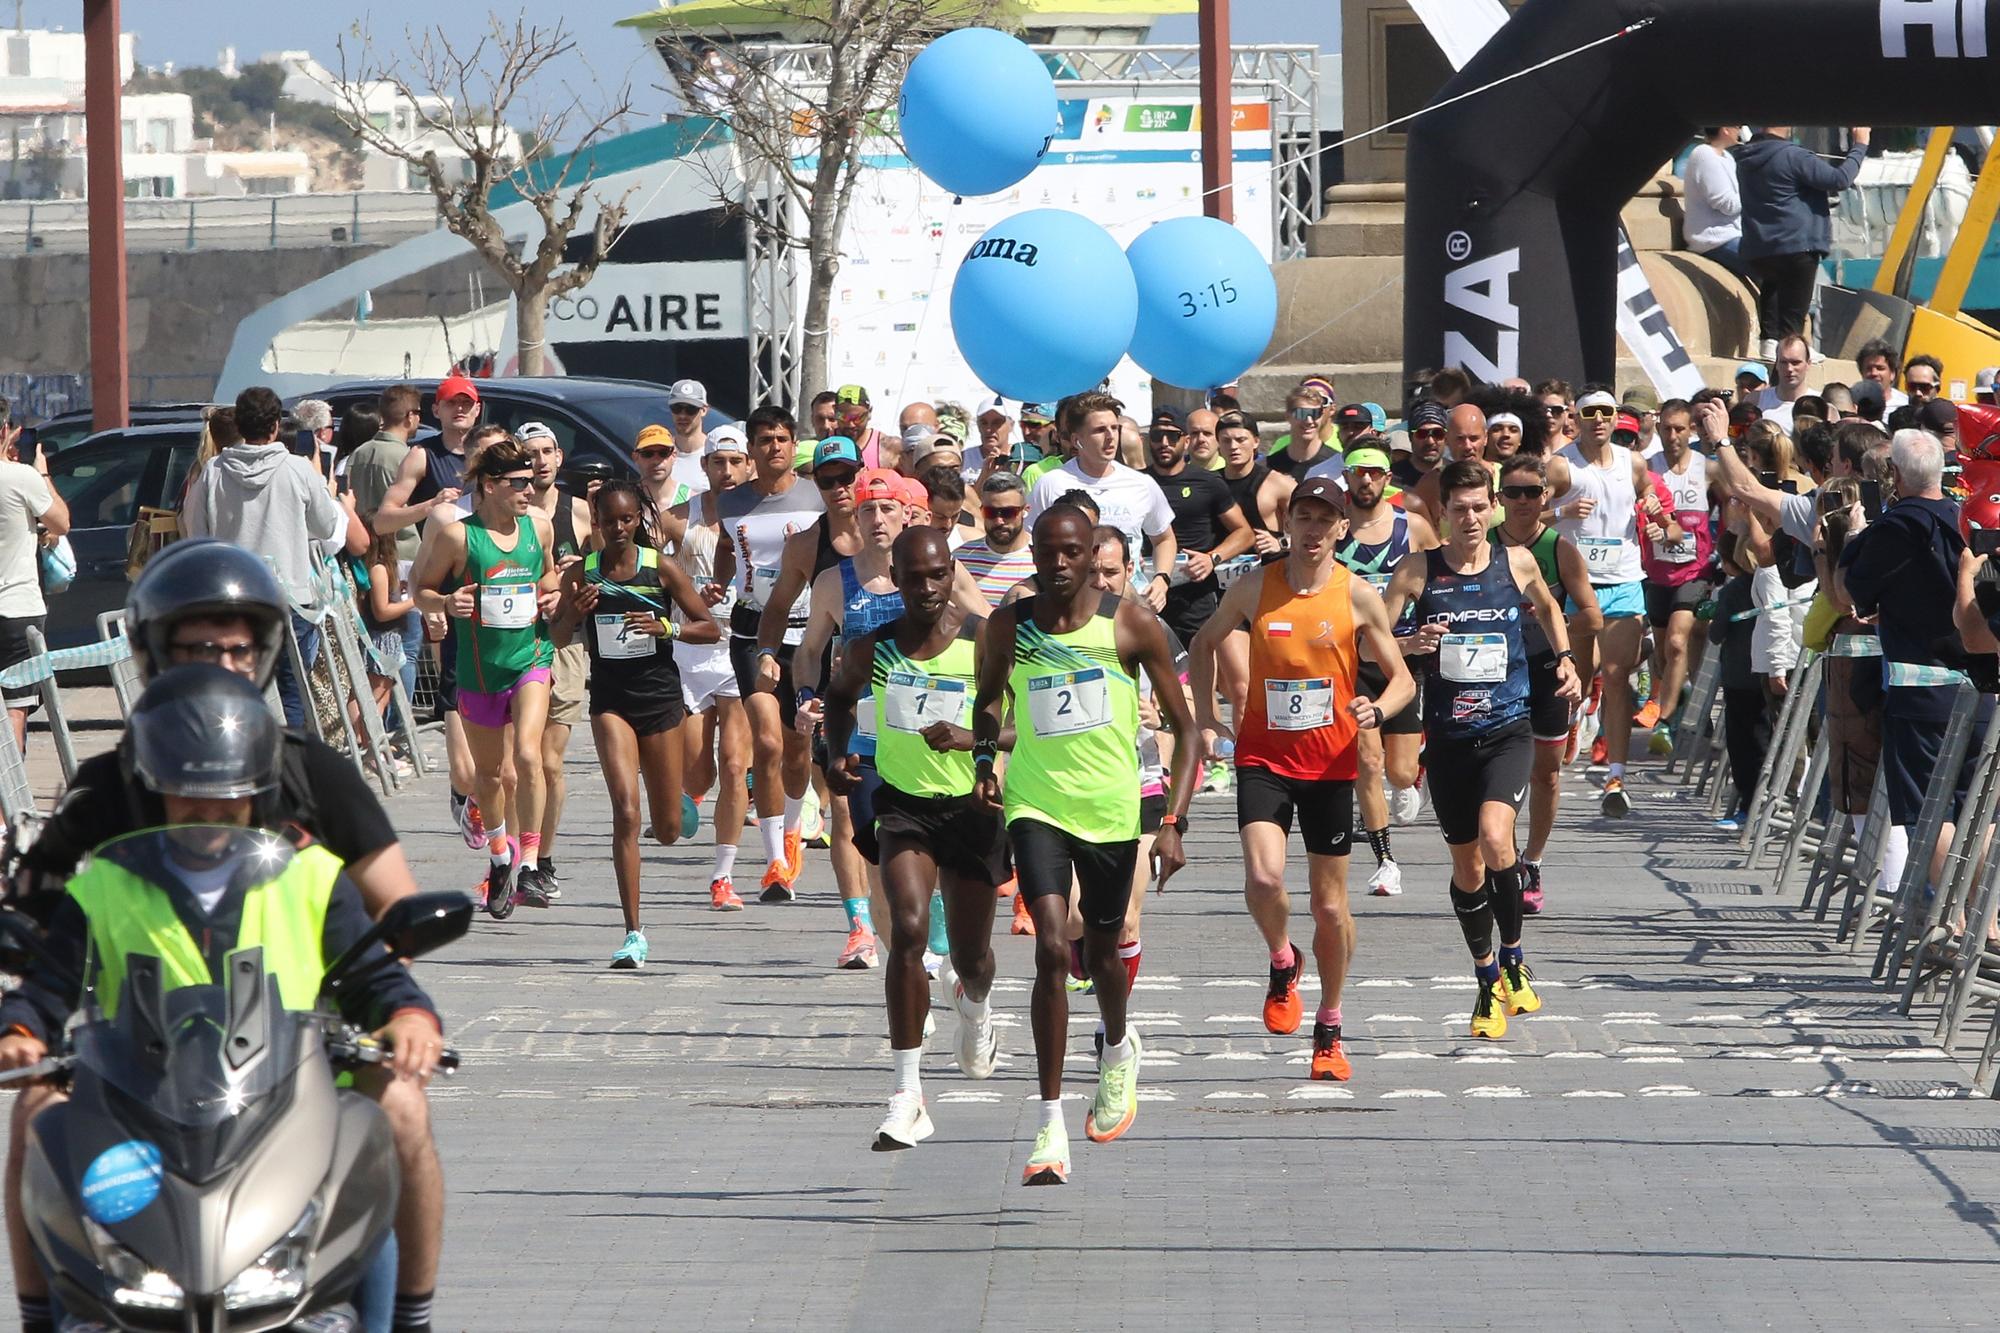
[(105, 180)]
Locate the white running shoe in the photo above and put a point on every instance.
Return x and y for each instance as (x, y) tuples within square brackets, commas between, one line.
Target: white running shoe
[(930, 1023), (1387, 881), (1405, 804), (812, 820), (906, 1125), (978, 1040), (931, 962)]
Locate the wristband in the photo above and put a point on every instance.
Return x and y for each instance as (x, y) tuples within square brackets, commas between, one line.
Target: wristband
[(771, 653), (986, 759), (804, 695), (985, 751), (1566, 654), (673, 629)]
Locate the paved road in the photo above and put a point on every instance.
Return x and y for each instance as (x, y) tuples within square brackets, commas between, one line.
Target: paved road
[(1713, 1122)]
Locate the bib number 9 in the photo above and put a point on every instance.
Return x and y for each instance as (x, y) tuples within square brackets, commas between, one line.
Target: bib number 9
[(1067, 704), (507, 605)]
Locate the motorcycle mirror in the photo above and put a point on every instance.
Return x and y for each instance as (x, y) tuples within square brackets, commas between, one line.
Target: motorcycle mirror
[(419, 924)]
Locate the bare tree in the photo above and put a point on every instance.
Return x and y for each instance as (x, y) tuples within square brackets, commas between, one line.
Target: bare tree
[(807, 123), (460, 99)]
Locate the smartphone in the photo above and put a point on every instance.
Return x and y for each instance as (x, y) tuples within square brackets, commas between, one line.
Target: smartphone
[(1769, 480), (1790, 488), (1725, 394), (1871, 499), (1985, 541)]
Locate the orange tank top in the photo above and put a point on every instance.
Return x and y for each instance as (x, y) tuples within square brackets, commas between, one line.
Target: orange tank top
[(1302, 668)]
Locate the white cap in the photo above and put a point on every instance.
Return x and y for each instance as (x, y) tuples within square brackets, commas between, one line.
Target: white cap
[(727, 438), (917, 433), (534, 430), (1984, 381), (993, 403), (688, 391)]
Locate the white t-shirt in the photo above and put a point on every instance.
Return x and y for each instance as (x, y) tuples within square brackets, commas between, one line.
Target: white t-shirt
[(689, 474), (1775, 409), (24, 497), (1127, 499)]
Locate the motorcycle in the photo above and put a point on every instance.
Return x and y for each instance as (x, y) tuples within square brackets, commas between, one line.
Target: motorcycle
[(206, 1172)]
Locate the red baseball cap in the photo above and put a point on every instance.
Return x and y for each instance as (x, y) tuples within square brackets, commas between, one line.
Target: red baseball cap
[(915, 492), (878, 484), (457, 386)]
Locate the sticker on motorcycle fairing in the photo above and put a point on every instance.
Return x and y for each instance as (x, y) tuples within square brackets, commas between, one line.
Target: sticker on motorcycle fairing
[(122, 1181)]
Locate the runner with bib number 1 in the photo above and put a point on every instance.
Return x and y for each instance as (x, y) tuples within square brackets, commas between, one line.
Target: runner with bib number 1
[(1309, 619), (1468, 596)]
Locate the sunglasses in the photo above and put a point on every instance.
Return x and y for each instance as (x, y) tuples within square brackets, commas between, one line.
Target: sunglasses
[(1554, 409), (1599, 413), (1164, 436), (1920, 386), (516, 483), (1428, 433), (1369, 473), (1002, 513), (651, 453), (1524, 492), (833, 481), (679, 408), (244, 654)]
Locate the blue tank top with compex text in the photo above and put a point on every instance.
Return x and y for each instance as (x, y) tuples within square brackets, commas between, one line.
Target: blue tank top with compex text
[(1479, 677), (862, 613)]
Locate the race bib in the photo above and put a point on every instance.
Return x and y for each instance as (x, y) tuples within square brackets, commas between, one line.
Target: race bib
[(1379, 582), (914, 701), (1299, 705), (864, 717), (763, 582), (1233, 569), (617, 641), (1602, 556), (1681, 552), (506, 605), (1067, 704), (1473, 659)]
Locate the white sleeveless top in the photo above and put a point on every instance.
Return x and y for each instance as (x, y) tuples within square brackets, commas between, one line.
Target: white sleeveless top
[(1609, 537), (1689, 489)]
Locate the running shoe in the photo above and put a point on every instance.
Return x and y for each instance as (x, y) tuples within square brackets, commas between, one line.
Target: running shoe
[(1731, 823), (859, 953), (1661, 742), (1079, 985), (631, 955), (1517, 988), (1218, 779), (931, 962), (1048, 1164), (1078, 969), (551, 880), (500, 880), (1117, 1102), (1531, 892), (529, 890), (906, 1125), (465, 813), (1329, 1060), (1023, 923), (812, 820), (978, 1039), (1489, 1014), (795, 857), (1647, 717), (1600, 751), (777, 886), (690, 816), (1405, 804), (1615, 803), (1008, 889), (1282, 1010), (722, 895), (1571, 745), (1387, 881)]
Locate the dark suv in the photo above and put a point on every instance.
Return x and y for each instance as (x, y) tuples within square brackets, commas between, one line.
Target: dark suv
[(104, 478)]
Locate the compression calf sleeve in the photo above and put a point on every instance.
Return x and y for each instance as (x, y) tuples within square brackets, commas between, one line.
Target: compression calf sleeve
[(1475, 919)]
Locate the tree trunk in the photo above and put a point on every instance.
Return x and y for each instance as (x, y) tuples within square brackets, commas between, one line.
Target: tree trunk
[(531, 310), (820, 273)]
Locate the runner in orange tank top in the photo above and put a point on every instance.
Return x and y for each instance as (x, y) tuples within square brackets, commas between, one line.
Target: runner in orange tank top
[(1309, 623)]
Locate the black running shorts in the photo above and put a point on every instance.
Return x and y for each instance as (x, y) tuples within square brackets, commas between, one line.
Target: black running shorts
[(1370, 680), (1662, 601), (1046, 857), (1549, 716), (1466, 774), (960, 834), (1325, 808), (743, 661)]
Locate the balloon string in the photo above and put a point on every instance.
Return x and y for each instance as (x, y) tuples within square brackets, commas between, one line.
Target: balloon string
[(1271, 357)]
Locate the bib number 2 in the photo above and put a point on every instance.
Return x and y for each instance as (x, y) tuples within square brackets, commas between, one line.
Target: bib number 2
[(1067, 704)]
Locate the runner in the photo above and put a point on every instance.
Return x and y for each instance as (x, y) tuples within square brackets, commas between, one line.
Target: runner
[(1001, 558), (1262, 496), (1601, 489), (1209, 525), (687, 402), (916, 674), (718, 745), (619, 597), (1126, 498), (1378, 536), (1679, 576), (1476, 710), (502, 583), (851, 414), (1309, 620), (1067, 658), (756, 521), (1523, 495), (1429, 423), (569, 520)]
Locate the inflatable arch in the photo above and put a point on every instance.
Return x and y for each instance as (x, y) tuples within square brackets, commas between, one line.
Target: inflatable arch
[(1511, 231)]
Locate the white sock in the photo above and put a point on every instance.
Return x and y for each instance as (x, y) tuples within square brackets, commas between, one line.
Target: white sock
[(976, 1010), (908, 1079), (774, 840), (496, 835), (1119, 1054), (794, 813), (1052, 1113), (529, 860), (1895, 855), (1618, 771), (725, 860)]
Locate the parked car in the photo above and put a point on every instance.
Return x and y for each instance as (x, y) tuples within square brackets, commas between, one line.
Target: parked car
[(592, 418), (64, 429), (104, 478)]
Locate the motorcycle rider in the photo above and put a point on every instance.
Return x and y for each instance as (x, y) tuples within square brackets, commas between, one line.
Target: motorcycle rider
[(202, 741)]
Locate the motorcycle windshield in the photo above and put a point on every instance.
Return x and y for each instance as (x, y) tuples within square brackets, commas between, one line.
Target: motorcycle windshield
[(199, 1070)]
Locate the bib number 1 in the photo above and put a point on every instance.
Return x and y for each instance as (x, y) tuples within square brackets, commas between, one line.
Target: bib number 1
[(913, 701)]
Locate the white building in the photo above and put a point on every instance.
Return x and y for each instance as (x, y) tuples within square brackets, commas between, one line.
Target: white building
[(391, 112)]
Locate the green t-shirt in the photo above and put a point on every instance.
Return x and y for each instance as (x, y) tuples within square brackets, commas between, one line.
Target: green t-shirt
[(908, 695)]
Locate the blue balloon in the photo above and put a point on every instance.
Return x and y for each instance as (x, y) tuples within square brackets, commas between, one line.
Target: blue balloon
[(978, 110), (1043, 305), (1207, 302)]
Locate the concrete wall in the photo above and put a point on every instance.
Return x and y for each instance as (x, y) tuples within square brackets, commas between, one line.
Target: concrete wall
[(184, 309)]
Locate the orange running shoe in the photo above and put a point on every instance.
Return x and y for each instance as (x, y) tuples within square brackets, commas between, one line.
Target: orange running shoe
[(1282, 1010), (1569, 746), (777, 885), (1023, 923), (722, 895), (795, 857), (1329, 1060), (1009, 888), (1600, 751), (1648, 717)]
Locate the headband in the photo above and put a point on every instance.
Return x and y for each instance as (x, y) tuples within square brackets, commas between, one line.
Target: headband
[(1597, 399), (1503, 419)]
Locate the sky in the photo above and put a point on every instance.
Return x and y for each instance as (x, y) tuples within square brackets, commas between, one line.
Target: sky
[(608, 53)]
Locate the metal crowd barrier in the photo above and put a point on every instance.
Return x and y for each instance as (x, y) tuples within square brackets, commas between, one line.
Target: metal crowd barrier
[(339, 679), (1887, 911), (1778, 803), (1697, 718), (1925, 938)]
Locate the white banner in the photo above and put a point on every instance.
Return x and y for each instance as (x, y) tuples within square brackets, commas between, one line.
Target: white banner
[(675, 302)]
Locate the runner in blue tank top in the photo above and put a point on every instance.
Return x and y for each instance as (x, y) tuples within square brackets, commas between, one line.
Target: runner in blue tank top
[(1468, 596)]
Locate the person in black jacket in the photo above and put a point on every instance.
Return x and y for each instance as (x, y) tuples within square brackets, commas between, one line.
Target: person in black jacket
[(1787, 224)]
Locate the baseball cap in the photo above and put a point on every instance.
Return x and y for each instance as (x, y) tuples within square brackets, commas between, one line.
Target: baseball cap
[(534, 430), (878, 484), (991, 405), (1983, 382), (836, 449), (1323, 489), (649, 437), (457, 386), (1367, 456), (914, 491), (1756, 369), (1170, 416), (1869, 400), (1037, 414), (1378, 418), (727, 438), (1627, 421), (1641, 399), (1353, 417), (1938, 416), (1429, 412), (688, 391), (802, 455), (850, 395), (1024, 454)]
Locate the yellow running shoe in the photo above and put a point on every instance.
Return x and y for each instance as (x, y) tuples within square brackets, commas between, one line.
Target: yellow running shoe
[(1048, 1164), (1517, 988), (1489, 1015)]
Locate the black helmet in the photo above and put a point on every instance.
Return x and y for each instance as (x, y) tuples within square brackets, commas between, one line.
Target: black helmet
[(203, 578), (203, 732)]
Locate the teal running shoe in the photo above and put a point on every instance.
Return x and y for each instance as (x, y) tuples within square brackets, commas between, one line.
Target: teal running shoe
[(690, 816), (631, 956)]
